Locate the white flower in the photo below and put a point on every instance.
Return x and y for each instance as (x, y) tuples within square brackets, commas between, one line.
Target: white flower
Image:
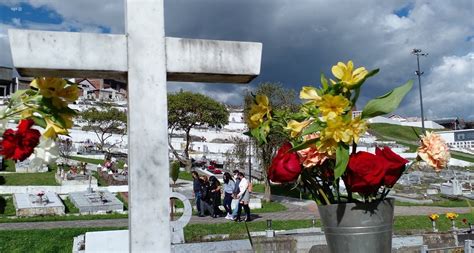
[(45, 153)]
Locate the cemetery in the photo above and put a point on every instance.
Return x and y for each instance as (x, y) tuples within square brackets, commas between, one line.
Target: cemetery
[(100, 153)]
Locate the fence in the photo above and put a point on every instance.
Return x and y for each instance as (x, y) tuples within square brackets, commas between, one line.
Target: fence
[(468, 248)]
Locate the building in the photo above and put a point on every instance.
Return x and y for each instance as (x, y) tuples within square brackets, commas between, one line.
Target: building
[(461, 139), (102, 89)]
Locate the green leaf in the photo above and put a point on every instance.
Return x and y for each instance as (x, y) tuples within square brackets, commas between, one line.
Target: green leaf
[(17, 94), (313, 127), (39, 121), (386, 103), (304, 144), (342, 159), (324, 82)]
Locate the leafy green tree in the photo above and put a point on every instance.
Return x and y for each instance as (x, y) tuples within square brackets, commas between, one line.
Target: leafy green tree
[(281, 99), (105, 122), (174, 171), (187, 110)]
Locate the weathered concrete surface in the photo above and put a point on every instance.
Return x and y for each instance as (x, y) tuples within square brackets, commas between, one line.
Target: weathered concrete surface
[(212, 60), (91, 55), (28, 205), (68, 54)]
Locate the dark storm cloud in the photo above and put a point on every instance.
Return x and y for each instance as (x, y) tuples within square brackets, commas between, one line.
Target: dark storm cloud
[(303, 38)]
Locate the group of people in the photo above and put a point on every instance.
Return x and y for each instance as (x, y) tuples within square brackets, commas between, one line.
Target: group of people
[(208, 194)]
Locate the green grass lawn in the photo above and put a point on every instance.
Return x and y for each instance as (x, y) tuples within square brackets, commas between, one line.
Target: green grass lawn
[(43, 178), (184, 175), (87, 160), (442, 203), (60, 240), (6, 206), (9, 165), (52, 240), (283, 190)]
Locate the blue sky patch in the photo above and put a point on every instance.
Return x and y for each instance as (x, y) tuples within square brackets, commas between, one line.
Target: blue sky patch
[(404, 11), (25, 12)]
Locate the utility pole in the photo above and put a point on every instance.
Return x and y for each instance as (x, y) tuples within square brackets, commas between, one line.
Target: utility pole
[(418, 53), (250, 159)]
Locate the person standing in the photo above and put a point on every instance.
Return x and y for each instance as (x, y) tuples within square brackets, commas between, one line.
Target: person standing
[(215, 190), (244, 197), (197, 190), (234, 194), (206, 202), (229, 186)]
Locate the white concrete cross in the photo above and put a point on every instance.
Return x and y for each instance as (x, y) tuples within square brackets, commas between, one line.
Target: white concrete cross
[(147, 59)]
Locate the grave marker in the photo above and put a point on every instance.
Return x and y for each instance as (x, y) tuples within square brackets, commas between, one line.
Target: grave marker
[(146, 58)]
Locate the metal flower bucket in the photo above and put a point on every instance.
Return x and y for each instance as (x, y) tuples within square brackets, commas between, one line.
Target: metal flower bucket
[(358, 227)]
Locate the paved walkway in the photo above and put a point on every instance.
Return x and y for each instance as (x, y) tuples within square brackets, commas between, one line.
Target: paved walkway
[(297, 210)]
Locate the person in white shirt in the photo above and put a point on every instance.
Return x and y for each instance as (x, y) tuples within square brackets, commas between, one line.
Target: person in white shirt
[(244, 197)]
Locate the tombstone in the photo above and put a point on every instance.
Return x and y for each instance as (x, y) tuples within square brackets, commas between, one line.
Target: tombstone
[(147, 59), (90, 202), (27, 205), (93, 242)]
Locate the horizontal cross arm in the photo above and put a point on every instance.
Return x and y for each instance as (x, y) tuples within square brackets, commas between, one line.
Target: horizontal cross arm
[(68, 54), (72, 54), (195, 60)]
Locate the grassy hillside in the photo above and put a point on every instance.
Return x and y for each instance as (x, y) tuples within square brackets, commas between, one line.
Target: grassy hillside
[(408, 136)]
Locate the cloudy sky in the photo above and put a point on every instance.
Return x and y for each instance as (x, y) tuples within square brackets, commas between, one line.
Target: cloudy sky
[(300, 40)]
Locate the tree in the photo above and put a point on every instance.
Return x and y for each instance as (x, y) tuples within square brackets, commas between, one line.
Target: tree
[(187, 110), (105, 122), (240, 151), (174, 171), (65, 148), (280, 99)]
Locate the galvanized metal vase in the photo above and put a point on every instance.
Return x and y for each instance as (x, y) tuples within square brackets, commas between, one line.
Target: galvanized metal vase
[(358, 227)]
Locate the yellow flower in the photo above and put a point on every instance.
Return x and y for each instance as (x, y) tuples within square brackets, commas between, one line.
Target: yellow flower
[(55, 88), (258, 111), (53, 129), (296, 127), (451, 216), (309, 93), (338, 130), (433, 216), (332, 104), (348, 76), (328, 146), (358, 126), (434, 151)]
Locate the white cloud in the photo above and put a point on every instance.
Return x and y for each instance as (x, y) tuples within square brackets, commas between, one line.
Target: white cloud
[(448, 91)]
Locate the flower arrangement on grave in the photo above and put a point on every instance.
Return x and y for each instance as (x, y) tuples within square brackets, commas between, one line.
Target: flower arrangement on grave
[(452, 217), (434, 217), (44, 105), (322, 133), (40, 194)]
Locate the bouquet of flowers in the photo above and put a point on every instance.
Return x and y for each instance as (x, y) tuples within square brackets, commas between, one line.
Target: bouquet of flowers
[(45, 105), (323, 135)]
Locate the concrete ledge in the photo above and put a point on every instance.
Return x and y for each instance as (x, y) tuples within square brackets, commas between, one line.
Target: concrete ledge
[(68, 54), (65, 189), (197, 60), (92, 55)]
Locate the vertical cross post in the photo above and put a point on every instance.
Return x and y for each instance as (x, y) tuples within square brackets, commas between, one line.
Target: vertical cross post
[(148, 147)]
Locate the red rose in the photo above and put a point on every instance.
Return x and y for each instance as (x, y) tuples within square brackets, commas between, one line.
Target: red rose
[(18, 145), (394, 165), (285, 166), (364, 173)]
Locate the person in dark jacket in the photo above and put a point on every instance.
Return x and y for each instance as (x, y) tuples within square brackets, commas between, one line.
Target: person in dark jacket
[(197, 190), (206, 201), (215, 191)]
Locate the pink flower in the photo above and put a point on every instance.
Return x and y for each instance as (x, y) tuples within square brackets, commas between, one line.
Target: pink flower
[(310, 157), (434, 151)]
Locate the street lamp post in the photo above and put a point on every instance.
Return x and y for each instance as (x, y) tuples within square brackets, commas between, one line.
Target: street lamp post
[(418, 53)]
